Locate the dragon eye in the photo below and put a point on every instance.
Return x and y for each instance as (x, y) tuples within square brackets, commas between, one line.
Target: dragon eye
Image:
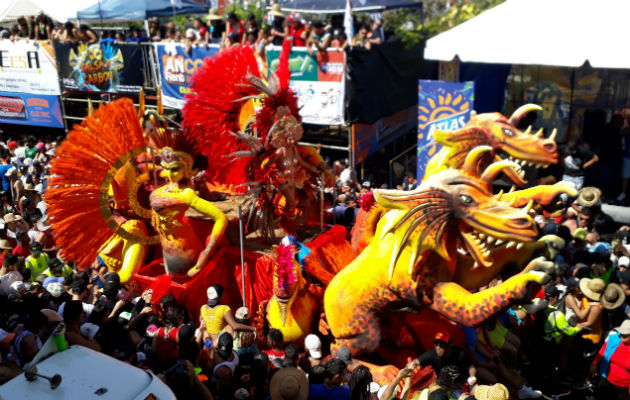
[(508, 132), (466, 199)]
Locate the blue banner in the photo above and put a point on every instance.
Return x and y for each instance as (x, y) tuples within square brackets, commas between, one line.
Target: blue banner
[(443, 106), (176, 69), (30, 109)]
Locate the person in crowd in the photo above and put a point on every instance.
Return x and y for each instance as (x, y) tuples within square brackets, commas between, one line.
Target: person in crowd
[(171, 36), (296, 30), (614, 368), (85, 34), (216, 27), (313, 345), (251, 26), (235, 25), (137, 36), (279, 27), (73, 315), (275, 341), (318, 40), (333, 386), (361, 39), (576, 160), (43, 27), (217, 318), (227, 361)]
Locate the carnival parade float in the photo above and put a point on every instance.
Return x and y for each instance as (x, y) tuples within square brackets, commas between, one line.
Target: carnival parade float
[(133, 191)]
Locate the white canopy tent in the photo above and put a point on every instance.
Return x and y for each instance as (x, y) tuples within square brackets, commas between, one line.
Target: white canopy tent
[(59, 10), (541, 32)]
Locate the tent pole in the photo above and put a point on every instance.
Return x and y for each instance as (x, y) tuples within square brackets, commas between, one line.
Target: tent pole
[(100, 12)]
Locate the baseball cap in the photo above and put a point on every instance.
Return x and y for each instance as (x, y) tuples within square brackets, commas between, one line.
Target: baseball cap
[(552, 291), (212, 293), (225, 345), (443, 337), (242, 314), (89, 330), (623, 261), (314, 346), (367, 184), (190, 33), (6, 337), (345, 355), (13, 144), (55, 289), (600, 248)]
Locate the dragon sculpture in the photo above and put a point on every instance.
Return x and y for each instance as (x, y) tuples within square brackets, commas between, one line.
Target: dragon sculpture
[(412, 259), (505, 139)]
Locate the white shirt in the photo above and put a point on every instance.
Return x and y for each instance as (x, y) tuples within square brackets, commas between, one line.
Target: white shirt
[(7, 280)]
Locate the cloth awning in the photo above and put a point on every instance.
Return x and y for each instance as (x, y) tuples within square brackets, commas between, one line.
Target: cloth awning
[(59, 10), (339, 6), (541, 32), (136, 10)]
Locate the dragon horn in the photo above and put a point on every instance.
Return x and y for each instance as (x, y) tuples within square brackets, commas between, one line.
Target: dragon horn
[(495, 169), (500, 195), (284, 310), (472, 158), (522, 111), (539, 133), (553, 134), (528, 207), (528, 130)]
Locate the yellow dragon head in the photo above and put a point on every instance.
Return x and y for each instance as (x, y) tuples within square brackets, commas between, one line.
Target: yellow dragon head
[(505, 139), (455, 207)]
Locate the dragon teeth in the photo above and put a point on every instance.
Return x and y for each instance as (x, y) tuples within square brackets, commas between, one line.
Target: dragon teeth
[(510, 244), (518, 246), (486, 253), (498, 242), (476, 265), (490, 240), (482, 236)]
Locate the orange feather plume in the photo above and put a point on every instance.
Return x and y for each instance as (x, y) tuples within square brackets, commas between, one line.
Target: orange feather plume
[(78, 170)]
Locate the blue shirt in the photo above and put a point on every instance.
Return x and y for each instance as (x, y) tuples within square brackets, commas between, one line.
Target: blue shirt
[(319, 391), (6, 182)]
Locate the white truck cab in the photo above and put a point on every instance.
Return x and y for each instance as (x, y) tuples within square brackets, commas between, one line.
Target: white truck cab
[(83, 374)]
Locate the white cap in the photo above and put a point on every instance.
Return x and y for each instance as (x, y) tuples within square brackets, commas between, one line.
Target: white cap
[(314, 345), (623, 261), (374, 388), (190, 33), (212, 293), (89, 330)]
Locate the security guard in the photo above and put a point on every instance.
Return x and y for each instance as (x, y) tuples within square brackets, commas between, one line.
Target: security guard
[(37, 262), (58, 268), (556, 325)]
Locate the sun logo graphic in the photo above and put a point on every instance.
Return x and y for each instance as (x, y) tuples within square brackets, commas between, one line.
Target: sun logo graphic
[(443, 106)]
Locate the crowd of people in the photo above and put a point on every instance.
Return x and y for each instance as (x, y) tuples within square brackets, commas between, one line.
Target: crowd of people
[(230, 30)]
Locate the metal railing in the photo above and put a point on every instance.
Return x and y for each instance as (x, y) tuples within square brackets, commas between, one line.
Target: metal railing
[(406, 154)]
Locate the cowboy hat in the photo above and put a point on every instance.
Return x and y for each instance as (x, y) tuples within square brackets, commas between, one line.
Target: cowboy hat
[(592, 288), (5, 245), (589, 196), (213, 15), (9, 217), (276, 11), (624, 328), (613, 296), (289, 384), (494, 392)]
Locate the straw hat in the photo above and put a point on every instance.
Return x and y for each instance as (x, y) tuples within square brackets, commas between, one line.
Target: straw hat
[(41, 224), (592, 288), (494, 392), (5, 245), (289, 384), (613, 296), (589, 196), (213, 15), (9, 217), (624, 328), (276, 11), (29, 187)]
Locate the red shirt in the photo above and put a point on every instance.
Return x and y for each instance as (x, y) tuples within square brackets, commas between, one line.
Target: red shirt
[(241, 30), (272, 354), (619, 371), (21, 251), (167, 349), (296, 34)]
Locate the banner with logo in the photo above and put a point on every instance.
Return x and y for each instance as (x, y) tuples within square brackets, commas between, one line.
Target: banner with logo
[(30, 109), (319, 83), (176, 69), (443, 106), (100, 67), (28, 67)]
